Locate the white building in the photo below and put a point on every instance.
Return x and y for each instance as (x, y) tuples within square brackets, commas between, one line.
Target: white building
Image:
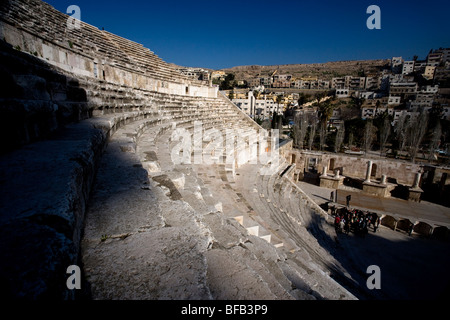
[(342, 93), (394, 100), (430, 89), (258, 108), (371, 112), (408, 67), (396, 64)]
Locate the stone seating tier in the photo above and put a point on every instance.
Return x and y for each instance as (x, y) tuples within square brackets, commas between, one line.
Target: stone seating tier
[(88, 40), (210, 239)]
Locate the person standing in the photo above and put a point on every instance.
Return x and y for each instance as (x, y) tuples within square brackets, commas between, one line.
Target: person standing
[(410, 230), (376, 224), (348, 198)]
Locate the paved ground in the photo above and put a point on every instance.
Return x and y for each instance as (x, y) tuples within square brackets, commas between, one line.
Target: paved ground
[(431, 213), (411, 267)]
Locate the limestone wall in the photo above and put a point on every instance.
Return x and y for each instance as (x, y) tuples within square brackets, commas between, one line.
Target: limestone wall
[(355, 166), (403, 172)]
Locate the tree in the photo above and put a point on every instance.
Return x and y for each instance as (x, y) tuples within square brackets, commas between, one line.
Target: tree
[(228, 83), (279, 99), (435, 140), (320, 96), (322, 134), (325, 111), (339, 138), (400, 131), (385, 131), (416, 131), (350, 139), (277, 121), (369, 132), (303, 98), (299, 129), (274, 120), (312, 131)]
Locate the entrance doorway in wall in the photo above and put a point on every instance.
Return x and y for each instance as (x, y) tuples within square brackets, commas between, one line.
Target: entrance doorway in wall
[(292, 158), (331, 164), (312, 165), (187, 90), (374, 170)]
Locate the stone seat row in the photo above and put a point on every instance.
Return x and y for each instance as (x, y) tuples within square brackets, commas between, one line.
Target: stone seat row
[(198, 195), (89, 40), (195, 192), (51, 21), (285, 210), (144, 56), (154, 131), (284, 218)]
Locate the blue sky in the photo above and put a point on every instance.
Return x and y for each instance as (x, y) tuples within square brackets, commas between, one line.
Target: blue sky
[(221, 34)]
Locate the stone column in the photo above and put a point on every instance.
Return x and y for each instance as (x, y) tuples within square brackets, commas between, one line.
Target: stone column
[(324, 171), (383, 179), (369, 171), (416, 180), (337, 174)]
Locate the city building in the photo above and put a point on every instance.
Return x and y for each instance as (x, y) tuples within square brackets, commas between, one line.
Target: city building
[(396, 64), (258, 108), (419, 66), (196, 73), (408, 67), (254, 82), (338, 82), (429, 72), (266, 81), (355, 83), (282, 81), (342, 93), (434, 58), (394, 100), (373, 82), (370, 112)]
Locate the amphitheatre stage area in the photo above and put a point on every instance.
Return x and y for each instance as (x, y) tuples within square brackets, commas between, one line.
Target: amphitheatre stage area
[(125, 179)]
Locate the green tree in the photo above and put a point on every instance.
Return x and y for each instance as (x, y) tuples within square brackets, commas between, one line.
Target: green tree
[(303, 98), (228, 83)]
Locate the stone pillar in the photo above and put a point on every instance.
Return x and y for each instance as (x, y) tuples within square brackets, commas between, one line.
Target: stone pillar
[(337, 174), (416, 180), (324, 171), (383, 179), (369, 171)]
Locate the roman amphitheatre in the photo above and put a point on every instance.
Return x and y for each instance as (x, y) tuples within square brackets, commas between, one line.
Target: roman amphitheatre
[(92, 125)]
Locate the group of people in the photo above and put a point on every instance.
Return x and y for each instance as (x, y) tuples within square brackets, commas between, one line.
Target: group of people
[(356, 221)]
